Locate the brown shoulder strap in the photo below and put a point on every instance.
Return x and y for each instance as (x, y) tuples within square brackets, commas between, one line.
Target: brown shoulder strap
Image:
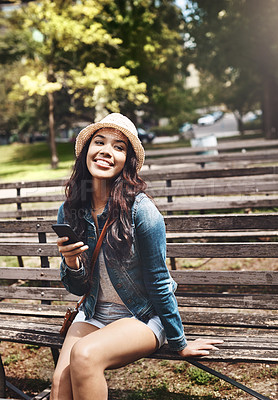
[(93, 263), (97, 248)]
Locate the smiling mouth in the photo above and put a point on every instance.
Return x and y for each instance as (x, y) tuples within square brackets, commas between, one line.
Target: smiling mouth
[(103, 163)]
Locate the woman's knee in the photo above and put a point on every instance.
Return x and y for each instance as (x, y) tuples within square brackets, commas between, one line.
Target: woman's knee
[(85, 358)]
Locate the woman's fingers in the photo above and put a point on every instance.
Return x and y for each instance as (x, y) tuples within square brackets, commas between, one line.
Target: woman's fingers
[(68, 247), (200, 347), (64, 239), (71, 250)]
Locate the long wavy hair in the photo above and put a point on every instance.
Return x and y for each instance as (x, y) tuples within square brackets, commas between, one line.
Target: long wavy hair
[(123, 191)]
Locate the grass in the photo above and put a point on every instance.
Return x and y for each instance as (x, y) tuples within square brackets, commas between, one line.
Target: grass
[(32, 161)]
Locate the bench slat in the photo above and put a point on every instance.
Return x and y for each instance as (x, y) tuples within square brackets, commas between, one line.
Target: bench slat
[(242, 278), (187, 204), (229, 355), (177, 174), (220, 235), (203, 183), (266, 155), (254, 278), (235, 342), (32, 199), (41, 310), (230, 145), (56, 313), (216, 203), (38, 274), (183, 189), (33, 184), (34, 293), (215, 189), (180, 250), (222, 250), (30, 249), (245, 278), (29, 213), (184, 223), (256, 334), (26, 226), (227, 319), (233, 301), (240, 350), (207, 300)]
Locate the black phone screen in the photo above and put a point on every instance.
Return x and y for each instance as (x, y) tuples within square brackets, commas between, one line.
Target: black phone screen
[(66, 230)]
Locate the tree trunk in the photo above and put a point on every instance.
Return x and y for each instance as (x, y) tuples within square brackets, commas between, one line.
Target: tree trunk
[(54, 156), (270, 107), (240, 125)]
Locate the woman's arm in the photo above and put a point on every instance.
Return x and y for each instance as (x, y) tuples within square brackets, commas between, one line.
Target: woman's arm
[(151, 236), (151, 239), (72, 272)]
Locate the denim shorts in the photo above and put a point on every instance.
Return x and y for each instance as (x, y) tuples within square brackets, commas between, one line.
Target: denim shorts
[(106, 313)]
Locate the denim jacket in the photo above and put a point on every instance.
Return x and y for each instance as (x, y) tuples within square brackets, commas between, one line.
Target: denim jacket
[(143, 281)]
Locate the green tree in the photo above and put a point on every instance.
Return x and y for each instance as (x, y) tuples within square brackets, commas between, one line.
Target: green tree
[(60, 38), (236, 43), (153, 35)]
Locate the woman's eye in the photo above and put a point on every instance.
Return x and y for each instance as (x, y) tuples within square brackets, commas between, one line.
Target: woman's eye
[(119, 147), (99, 142)]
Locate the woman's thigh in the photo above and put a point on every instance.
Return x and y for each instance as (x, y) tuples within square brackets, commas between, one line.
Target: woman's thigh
[(76, 332), (118, 344)]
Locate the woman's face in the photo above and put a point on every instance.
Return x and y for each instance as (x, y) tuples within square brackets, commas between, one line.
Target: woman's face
[(107, 153)]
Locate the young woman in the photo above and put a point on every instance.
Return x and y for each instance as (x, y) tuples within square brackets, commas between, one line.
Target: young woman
[(131, 309)]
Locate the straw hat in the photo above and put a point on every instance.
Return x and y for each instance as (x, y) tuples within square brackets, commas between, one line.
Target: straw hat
[(119, 122)]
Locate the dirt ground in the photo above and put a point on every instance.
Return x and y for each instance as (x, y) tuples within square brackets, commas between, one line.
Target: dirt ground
[(31, 368)]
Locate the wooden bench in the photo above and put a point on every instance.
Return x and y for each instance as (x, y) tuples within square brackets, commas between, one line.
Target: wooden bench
[(238, 306), (253, 157), (222, 147), (42, 197), (174, 190), (213, 189)]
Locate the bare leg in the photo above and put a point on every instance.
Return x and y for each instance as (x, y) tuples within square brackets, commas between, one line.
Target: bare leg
[(114, 346), (61, 384)]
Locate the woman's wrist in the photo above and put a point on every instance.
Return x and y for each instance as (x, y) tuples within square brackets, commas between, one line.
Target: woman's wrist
[(72, 263)]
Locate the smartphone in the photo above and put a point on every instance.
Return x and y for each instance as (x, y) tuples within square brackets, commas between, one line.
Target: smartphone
[(66, 230)]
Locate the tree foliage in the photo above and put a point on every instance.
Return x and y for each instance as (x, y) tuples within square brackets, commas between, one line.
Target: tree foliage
[(63, 37), (94, 56), (152, 34), (236, 42)]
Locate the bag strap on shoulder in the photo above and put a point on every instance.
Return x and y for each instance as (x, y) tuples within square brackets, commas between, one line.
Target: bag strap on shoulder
[(93, 263)]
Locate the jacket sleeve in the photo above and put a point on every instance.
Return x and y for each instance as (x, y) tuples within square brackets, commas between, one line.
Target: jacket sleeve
[(151, 237), (72, 279)]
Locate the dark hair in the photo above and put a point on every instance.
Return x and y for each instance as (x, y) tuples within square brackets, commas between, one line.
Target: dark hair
[(124, 189)]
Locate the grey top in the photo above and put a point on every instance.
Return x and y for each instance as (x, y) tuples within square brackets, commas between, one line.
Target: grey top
[(107, 293)]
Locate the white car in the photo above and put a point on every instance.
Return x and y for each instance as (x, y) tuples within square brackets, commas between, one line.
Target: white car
[(207, 119)]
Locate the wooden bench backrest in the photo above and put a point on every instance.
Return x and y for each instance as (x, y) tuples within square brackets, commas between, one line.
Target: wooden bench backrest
[(168, 184), (43, 284), (241, 145), (252, 157)]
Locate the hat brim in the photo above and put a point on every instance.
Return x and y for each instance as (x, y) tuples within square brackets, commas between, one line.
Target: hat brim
[(87, 133)]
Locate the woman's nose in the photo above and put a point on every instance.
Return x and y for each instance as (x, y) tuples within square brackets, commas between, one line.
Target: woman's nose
[(106, 150)]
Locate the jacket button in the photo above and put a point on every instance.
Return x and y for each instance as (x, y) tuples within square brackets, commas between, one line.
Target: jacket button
[(119, 285), (129, 301)]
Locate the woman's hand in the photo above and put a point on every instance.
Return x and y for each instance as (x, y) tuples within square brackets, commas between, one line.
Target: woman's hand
[(71, 252), (199, 347)]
